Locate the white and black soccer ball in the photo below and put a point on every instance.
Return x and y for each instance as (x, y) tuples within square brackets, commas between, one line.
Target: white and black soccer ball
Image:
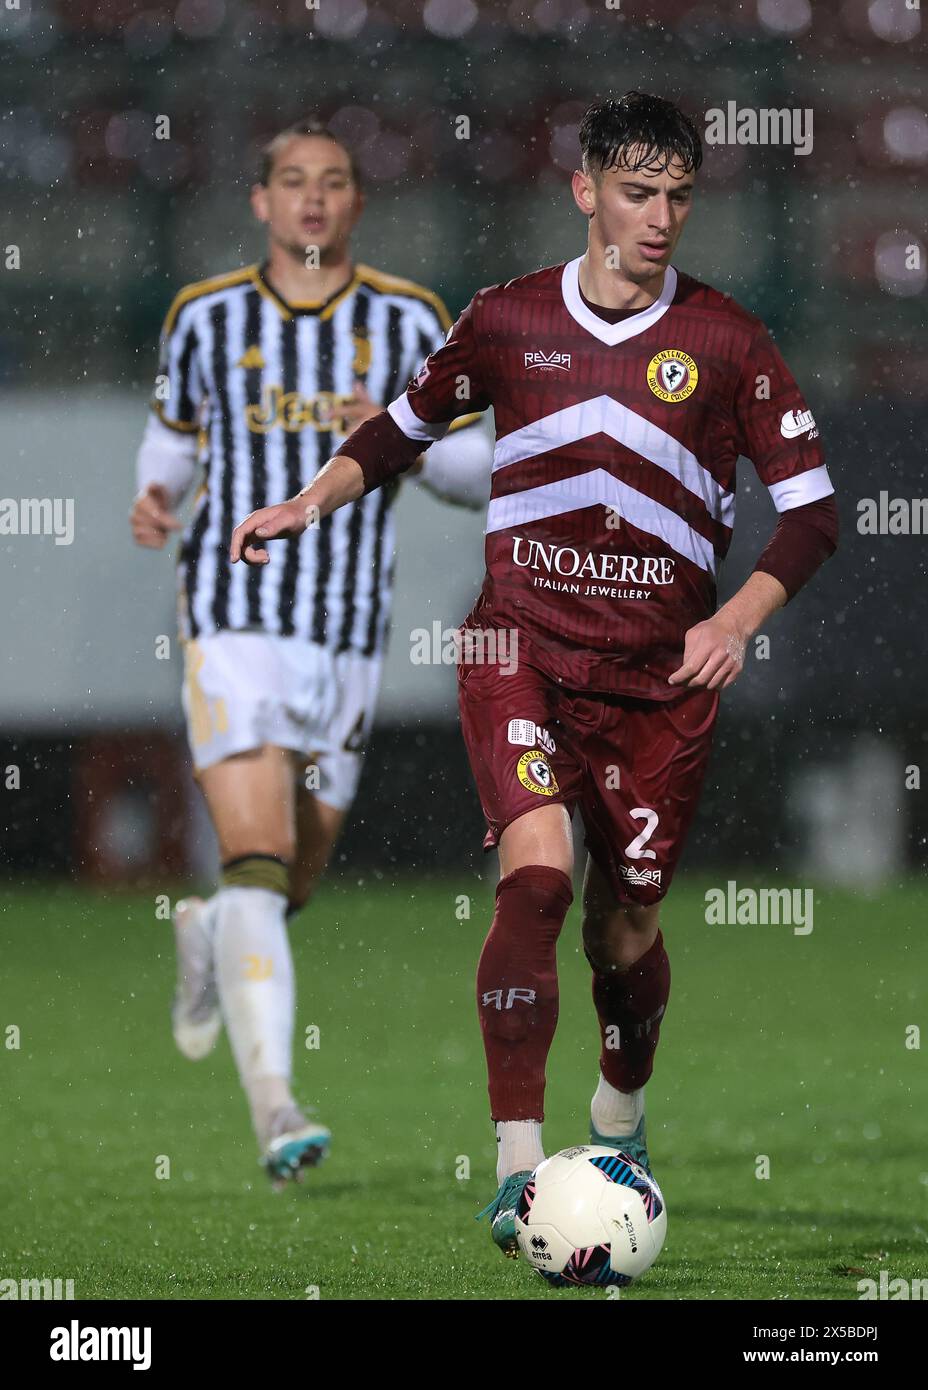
[(591, 1215)]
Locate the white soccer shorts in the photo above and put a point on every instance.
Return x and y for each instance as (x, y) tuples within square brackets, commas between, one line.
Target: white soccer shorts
[(245, 689)]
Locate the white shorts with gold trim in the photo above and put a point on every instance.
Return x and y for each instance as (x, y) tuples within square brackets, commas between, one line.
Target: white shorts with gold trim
[(246, 689)]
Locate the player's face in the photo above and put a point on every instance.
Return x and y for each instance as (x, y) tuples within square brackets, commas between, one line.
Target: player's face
[(642, 213), (310, 199)]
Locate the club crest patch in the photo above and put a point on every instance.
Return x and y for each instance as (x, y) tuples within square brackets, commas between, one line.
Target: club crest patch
[(672, 375), (536, 774)]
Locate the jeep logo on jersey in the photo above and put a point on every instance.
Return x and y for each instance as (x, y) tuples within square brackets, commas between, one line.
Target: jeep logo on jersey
[(293, 412), (535, 773), (796, 422), (551, 361), (527, 733), (672, 375)]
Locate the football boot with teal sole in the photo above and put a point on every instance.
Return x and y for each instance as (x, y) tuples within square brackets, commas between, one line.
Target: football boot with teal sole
[(635, 1144), (502, 1212)]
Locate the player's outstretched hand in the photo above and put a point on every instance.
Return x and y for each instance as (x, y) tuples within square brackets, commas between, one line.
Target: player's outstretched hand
[(151, 518), (713, 656), (267, 524)]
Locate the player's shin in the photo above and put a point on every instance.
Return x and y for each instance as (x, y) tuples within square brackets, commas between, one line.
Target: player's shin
[(254, 971), (630, 1004), (517, 1003)]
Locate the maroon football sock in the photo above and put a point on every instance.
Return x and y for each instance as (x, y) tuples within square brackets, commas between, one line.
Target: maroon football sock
[(630, 1004), (517, 988)]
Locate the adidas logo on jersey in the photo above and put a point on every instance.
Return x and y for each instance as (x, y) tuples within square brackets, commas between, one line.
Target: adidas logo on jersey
[(252, 358)]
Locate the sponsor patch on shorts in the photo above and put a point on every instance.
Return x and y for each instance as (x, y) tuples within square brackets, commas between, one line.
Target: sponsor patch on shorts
[(527, 733), (536, 774)]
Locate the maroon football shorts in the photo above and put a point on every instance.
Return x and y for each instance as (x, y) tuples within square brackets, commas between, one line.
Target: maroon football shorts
[(634, 767)]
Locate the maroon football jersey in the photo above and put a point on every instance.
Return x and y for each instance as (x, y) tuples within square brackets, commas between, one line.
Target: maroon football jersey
[(613, 492)]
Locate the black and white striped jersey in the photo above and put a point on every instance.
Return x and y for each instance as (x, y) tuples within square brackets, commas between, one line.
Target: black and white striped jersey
[(262, 381)]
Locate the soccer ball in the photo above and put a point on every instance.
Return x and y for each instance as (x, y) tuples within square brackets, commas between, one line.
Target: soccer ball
[(590, 1215)]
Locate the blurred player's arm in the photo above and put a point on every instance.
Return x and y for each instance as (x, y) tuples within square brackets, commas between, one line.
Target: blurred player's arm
[(164, 468), (449, 385), (167, 458), (458, 468), (791, 463), (455, 469)]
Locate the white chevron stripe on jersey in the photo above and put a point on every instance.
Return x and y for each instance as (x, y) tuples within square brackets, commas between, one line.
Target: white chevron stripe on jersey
[(600, 488), (603, 415)]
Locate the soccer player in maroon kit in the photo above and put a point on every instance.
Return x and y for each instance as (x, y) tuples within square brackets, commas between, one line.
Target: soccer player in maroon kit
[(624, 392)]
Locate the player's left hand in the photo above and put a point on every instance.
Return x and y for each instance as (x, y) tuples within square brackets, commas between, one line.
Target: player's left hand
[(713, 655), (358, 408)]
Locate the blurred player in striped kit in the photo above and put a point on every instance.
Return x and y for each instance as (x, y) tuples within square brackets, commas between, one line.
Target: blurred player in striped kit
[(264, 372)]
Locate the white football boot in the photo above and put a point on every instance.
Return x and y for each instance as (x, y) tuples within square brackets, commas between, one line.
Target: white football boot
[(195, 1014)]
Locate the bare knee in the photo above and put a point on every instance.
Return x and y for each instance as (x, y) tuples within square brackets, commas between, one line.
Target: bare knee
[(257, 842)]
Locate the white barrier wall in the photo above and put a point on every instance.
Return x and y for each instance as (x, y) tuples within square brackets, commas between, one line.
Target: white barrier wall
[(79, 620)]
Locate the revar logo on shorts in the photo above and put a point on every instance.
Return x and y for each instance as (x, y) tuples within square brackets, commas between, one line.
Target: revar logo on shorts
[(525, 733), (640, 876)]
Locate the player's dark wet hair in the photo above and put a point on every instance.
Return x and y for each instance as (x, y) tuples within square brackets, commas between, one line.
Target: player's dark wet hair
[(611, 129), (309, 126)]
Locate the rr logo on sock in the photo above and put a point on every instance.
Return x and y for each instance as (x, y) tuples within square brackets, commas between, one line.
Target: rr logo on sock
[(494, 997)]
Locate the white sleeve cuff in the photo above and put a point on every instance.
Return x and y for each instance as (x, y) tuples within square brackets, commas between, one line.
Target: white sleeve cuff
[(810, 486), (406, 419)]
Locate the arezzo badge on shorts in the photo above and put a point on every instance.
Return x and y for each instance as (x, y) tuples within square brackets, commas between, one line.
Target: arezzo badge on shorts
[(672, 375), (536, 774)]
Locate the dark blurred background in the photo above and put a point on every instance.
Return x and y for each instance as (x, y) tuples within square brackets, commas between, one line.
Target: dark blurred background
[(819, 748)]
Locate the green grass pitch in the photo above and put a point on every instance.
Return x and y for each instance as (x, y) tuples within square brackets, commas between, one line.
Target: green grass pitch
[(774, 1044)]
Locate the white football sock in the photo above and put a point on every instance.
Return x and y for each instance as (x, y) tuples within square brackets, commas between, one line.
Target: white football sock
[(518, 1146), (616, 1113), (209, 909), (254, 972)]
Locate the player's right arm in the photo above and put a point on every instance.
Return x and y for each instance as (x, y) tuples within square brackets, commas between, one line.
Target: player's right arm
[(167, 459), (451, 383)]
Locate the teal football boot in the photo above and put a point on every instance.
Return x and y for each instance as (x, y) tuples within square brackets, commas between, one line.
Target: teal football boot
[(502, 1212), (635, 1144), (292, 1145)]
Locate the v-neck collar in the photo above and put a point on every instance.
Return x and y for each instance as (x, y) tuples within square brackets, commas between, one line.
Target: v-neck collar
[(613, 333), (321, 307)]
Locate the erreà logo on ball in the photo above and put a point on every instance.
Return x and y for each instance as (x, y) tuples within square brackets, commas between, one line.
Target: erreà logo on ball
[(569, 563)]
